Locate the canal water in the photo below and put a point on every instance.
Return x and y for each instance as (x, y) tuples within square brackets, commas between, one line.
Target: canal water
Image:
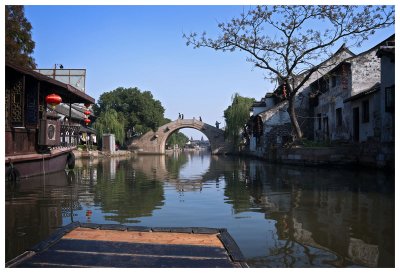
[(280, 216)]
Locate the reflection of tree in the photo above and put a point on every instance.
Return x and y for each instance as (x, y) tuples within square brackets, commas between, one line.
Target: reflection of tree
[(236, 187), (130, 195), (175, 163), (294, 246)]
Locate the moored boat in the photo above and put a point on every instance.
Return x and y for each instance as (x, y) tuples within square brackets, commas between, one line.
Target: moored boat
[(36, 140)]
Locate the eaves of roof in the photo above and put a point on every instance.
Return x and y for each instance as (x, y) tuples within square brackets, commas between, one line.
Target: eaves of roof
[(375, 88)]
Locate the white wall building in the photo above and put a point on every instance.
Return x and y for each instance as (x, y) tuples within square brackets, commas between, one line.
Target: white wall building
[(343, 100)]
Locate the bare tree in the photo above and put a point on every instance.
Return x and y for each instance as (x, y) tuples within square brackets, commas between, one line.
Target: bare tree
[(288, 41)]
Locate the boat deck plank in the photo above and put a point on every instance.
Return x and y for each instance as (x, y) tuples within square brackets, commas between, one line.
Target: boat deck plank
[(145, 237), (118, 246)]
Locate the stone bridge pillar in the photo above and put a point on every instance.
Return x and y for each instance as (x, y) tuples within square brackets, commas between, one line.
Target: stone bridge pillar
[(154, 142)]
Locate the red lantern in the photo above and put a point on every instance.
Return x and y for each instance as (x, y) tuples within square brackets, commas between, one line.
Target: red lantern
[(87, 121), (53, 100), (87, 112)]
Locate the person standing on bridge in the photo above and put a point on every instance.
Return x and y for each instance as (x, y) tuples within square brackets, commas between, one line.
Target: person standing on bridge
[(179, 115), (217, 124), (200, 119), (182, 116)]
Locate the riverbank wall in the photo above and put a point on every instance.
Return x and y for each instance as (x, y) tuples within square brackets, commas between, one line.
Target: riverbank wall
[(380, 156), (90, 154)]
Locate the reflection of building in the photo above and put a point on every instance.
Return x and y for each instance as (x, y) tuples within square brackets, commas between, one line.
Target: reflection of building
[(363, 253), (387, 57), (30, 220), (113, 168), (198, 144), (310, 209)]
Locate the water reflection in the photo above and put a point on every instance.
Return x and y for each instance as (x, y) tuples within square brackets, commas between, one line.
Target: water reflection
[(33, 212), (347, 212), (280, 216)]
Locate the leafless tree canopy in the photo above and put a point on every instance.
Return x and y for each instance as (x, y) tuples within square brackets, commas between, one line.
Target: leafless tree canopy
[(301, 34), (288, 41)]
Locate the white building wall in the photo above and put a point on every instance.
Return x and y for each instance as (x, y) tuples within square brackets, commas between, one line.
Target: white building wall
[(371, 128), (269, 104), (387, 80), (365, 71), (253, 144), (363, 74), (325, 68), (258, 110), (276, 115), (328, 103)]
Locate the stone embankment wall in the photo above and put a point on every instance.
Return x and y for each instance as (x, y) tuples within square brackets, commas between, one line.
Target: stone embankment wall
[(89, 154), (365, 155)]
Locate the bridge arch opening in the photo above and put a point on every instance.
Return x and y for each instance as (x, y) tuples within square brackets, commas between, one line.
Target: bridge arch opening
[(187, 139)]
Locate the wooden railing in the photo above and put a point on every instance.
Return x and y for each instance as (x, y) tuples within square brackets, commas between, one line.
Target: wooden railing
[(69, 134)]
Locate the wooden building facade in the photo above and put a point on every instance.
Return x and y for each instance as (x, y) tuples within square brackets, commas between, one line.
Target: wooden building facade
[(32, 131)]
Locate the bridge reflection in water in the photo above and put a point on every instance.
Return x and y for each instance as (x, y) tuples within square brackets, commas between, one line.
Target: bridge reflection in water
[(280, 216)]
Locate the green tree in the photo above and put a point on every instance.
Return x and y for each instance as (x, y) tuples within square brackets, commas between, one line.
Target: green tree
[(287, 41), (18, 39), (177, 138), (139, 110), (110, 122), (236, 117)]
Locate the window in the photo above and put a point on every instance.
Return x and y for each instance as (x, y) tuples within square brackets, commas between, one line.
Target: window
[(333, 80), (339, 118), (320, 86), (365, 111), (389, 99), (319, 121)]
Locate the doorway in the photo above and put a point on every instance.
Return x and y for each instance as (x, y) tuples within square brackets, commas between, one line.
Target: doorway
[(356, 124), (325, 128)]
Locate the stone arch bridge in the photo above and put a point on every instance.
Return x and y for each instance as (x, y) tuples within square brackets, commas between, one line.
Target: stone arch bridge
[(154, 142)]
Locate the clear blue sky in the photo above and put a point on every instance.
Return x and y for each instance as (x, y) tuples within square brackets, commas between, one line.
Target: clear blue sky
[(142, 46)]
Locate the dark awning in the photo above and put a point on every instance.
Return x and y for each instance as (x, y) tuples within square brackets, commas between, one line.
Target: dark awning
[(259, 104), (386, 50), (87, 130)]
